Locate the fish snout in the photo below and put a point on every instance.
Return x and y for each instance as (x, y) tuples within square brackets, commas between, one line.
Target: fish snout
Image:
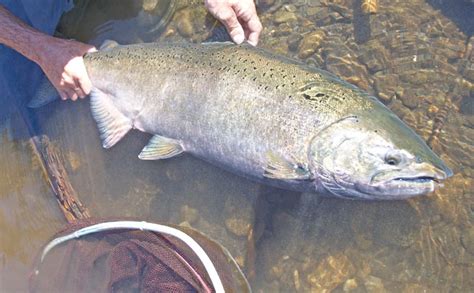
[(438, 173), (442, 173)]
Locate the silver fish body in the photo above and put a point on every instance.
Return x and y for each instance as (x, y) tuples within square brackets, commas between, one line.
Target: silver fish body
[(259, 115)]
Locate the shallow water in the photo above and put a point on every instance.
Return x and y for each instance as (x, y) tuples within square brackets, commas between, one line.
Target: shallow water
[(417, 57)]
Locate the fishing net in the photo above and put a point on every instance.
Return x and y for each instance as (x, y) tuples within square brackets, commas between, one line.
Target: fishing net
[(127, 256)]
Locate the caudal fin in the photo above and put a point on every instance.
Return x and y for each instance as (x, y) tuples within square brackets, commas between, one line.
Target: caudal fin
[(45, 94)]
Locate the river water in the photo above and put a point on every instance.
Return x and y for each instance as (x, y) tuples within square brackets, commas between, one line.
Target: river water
[(416, 56)]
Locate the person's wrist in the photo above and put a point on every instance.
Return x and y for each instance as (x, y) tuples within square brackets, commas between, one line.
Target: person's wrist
[(41, 46)]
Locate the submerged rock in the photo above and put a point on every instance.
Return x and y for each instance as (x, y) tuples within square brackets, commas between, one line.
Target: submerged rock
[(374, 284), (350, 285), (284, 15), (310, 43), (239, 215), (386, 86), (330, 273)]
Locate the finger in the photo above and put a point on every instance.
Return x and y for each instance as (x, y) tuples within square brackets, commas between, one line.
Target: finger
[(74, 96), (69, 93), (229, 19), (61, 92), (84, 83), (255, 28), (71, 88), (80, 93), (252, 25), (63, 95)]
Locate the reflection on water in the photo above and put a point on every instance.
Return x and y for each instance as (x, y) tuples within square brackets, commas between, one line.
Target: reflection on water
[(413, 57)]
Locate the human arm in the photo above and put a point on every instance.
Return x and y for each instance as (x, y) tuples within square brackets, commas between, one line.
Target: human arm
[(239, 17), (61, 60)]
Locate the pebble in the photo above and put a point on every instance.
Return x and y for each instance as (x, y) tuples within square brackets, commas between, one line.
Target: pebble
[(374, 284), (310, 43), (409, 99), (185, 25), (239, 227), (350, 285), (330, 273), (284, 15), (432, 110), (149, 5), (385, 86), (293, 42)]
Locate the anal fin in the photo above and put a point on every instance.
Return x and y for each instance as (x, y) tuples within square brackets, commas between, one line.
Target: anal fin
[(160, 147), (112, 124)]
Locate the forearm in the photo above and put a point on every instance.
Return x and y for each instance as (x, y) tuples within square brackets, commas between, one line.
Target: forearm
[(22, 38)]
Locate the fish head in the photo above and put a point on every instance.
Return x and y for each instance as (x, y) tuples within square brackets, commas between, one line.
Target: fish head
[(374, 156)]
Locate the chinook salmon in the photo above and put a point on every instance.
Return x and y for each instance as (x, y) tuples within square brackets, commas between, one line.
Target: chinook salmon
[(263, 116)]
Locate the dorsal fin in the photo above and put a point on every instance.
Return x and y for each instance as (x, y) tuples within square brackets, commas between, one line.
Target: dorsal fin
[(108, 44)]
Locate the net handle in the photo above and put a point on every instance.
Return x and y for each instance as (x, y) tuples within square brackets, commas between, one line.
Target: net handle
[(143, 226)]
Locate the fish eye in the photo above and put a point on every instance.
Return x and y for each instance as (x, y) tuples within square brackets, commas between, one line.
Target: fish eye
[(392, 159)]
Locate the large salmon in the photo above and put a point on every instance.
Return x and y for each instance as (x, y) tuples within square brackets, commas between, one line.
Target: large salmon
[(260, 115)]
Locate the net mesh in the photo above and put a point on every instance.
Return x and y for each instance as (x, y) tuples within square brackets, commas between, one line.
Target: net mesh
[(133, 261)]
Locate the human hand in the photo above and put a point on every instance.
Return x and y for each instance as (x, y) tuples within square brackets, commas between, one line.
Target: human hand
[(239, 17), (62, 62)]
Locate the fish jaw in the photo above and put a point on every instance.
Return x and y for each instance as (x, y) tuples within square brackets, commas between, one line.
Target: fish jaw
[(420, 178)]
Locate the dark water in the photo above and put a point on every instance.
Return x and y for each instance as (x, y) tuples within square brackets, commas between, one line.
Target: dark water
[(416, 56)]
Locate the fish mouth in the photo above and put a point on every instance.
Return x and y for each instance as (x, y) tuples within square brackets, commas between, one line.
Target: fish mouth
[(419, 179), (419, 173)]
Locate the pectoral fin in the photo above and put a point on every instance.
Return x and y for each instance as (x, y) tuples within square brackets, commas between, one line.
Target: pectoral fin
[(45, 94), (284, 169), (112, 124), (160, 147)]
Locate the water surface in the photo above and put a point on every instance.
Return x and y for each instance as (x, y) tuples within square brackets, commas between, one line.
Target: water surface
[(417, 57)]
